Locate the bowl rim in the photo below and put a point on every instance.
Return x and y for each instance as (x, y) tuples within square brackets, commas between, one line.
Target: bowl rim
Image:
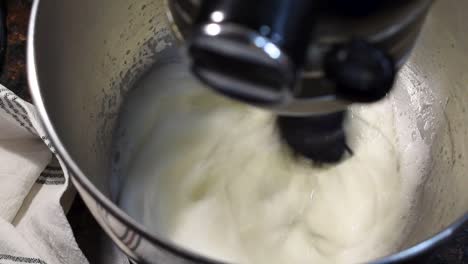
[(79, 176)]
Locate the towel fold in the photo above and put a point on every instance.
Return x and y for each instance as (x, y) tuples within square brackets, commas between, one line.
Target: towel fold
[(33, 225)]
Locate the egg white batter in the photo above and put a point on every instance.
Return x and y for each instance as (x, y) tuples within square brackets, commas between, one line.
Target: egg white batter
[(210, 174)]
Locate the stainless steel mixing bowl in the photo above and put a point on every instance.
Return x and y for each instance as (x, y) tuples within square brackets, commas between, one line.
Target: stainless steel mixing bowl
[(84, 55)]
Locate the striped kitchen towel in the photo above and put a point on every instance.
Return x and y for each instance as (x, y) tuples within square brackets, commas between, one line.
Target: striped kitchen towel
[(33, 225)]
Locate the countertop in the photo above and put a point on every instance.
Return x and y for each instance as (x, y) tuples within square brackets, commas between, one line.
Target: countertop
[(13, 76)]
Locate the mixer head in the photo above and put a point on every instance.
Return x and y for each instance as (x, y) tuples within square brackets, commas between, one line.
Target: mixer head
[(305, 60)]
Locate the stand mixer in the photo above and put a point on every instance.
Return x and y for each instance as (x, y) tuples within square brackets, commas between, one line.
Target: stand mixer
[(304, 60), (85, 57)]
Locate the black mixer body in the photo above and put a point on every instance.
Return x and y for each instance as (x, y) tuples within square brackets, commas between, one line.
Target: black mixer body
[(305, 60)]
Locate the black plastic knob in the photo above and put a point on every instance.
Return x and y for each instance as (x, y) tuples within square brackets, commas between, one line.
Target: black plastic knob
[(361, 72)]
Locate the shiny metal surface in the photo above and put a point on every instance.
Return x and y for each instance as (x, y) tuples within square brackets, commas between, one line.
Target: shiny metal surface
[(84, 55), (401, 21), (305, 49)]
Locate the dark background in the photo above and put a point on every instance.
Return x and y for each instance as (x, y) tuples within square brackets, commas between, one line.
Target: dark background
[(13, 76)]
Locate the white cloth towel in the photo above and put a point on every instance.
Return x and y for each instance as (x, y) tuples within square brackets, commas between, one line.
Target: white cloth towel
[(33, 225)]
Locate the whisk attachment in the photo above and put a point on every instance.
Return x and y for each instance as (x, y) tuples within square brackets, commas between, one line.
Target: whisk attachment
[(320, 138)]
